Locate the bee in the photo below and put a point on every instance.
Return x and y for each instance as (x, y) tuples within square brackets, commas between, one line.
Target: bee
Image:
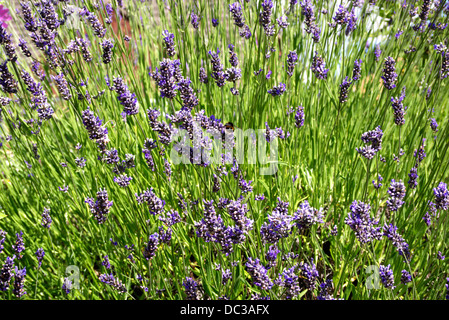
[(227, 126)]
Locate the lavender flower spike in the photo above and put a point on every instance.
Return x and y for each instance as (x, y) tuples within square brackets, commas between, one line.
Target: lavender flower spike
[(389, 73)]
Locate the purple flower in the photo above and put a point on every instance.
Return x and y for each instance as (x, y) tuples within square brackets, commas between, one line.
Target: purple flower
[(344, 87), (389, 73), (127, 99), (378, 184), (441, 196), (215, 22), (191, 288), (420, 154), (405, 277), (259, 197), (238, 212), (386, 277), (277, 90), (271, 255), (151, 247), (326, 290), (46, 219), (236, 11), (100, 208), (169, 43), (444, 73), (292, 61), (7, 82), (166, 77), (306, 216), (425, 8), (203, 76), (290, 281), (6, 273), (279, 223), (62, 85), (106, 262), (245, 32), (265, 14), (67, 285), (434, 125), (398, 108), (299, 117), (195, 20), (391, 233), (2, 240), (341, 16), (23, 45), (397, 194), (357, 70), (123, 180), (282, 22), (94, 127), (377, 53), (115, 283), (319, 67), (310, 274), (155, 204), (30, 22), (413, 175), (40, 253), (19, 281), (19, 246), (99, 29), (360, 222), (107, 46), (373, 141), (259, 274), (226, 275)]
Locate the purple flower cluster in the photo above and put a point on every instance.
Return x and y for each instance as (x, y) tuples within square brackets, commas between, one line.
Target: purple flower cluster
[(46, 219), (386, 277), (398, 108), (100, 208), (277, 90), (217, 74), (279, 223), (169, 41), (389, 73), (151, 247), (236, 11), (441, 196), (290, 281), (319, 67), (94, 127), (292, 61), (191, 288), (6, 273), (361, 223), (115, 283), (299, 117), (397, 194), (306, 216), (398, 241), (127, 99), (259, 274), (309, 19), (265, 17), (155, 204), (373, 143), (310, 274)]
